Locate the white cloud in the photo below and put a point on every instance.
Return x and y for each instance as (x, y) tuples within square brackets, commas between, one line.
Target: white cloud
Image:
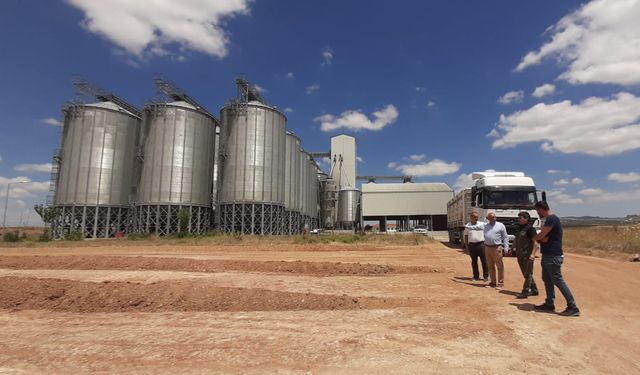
[(417, 157), (21, 196), (260, 89), (591, 192), (148, 29), (312, 88), (22, 190), (420, 89), (544, 90), (624, 177), (51, 121), (359, 159), (558, 171), (431, 104), (290, 75), (324, 162), (595, 126), (30, 168), (355, 120), (599, 43), (435, 167), (573, 181), (288, 110), (327, 56), (560, 197), (615, 196), (464, 181), (511, 97), (392, 165)]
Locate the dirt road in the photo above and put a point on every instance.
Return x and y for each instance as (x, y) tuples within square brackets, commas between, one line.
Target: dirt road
[(320, 309)]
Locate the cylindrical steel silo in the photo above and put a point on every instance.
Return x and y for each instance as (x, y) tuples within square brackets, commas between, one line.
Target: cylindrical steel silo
[(348, 207), (291, 180), (96, 177), (177, 172), (328, 201), (304, 189), (313, 175), (252, 168)]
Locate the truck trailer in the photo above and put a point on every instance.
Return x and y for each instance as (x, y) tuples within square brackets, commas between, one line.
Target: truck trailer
[(503, 193)]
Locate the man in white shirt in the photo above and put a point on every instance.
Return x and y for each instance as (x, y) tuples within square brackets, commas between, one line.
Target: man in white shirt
[(474, 241), (496, 243)]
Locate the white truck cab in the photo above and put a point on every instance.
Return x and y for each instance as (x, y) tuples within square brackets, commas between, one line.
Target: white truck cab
[(504, 193)]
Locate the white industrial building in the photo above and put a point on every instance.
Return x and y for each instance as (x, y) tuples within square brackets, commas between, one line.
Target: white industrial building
[(407, 204)]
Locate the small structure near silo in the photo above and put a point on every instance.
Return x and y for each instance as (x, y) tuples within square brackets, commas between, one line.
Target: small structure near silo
[(408, 204)]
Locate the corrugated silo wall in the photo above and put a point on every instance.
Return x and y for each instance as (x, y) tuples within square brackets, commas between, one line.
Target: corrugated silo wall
[(291, 222), (96, 170), (177, 173), (252, 169), (304, 191), (348, 208)]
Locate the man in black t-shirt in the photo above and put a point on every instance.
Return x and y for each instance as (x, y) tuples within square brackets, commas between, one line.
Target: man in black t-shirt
[(525, 251), (550, 239)]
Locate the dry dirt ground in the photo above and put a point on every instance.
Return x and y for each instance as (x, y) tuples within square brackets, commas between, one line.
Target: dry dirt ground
[(314, 309)]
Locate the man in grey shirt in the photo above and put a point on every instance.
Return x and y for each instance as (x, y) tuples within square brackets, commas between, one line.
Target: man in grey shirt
[(496, 243)]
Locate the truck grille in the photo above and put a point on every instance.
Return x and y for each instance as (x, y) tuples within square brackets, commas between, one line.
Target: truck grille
[(508, 221)]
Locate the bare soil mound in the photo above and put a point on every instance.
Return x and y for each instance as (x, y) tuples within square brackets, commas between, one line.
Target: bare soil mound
[(196, 265), (74, 296)]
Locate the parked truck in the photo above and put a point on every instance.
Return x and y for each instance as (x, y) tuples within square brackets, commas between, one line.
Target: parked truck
[(504, 193)]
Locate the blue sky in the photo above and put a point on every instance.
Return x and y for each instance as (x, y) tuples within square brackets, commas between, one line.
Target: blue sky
[(437, 89)]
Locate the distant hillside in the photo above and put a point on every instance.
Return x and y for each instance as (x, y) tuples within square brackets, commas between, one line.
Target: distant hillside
[(597, 220)]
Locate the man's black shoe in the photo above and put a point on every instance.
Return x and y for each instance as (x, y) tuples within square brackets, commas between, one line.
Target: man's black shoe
[(522, 295), (534, 293), (544, 307), (571, 311)]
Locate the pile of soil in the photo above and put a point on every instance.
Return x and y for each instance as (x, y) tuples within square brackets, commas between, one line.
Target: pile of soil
[(20, 293), (79, 262)]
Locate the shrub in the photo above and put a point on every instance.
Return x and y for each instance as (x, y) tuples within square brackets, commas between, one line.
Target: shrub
[(12, 236), (45, 236), (183, 222), (138, 236), (74, 235)]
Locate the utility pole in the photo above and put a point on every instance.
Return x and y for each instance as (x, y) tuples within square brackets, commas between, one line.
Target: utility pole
[(6, 201)]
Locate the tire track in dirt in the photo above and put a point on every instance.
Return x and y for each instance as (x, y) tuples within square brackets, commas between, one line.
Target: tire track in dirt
[(79, 262)]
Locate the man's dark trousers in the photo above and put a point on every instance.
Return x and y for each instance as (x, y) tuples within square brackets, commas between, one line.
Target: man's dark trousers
[(526, 267), (476, 250), (552, 277)]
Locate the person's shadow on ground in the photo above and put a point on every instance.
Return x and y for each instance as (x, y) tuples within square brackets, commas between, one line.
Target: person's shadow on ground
[(523, 306), (467, 281)]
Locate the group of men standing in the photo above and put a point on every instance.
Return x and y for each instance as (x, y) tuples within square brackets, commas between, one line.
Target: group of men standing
[(488, 241)]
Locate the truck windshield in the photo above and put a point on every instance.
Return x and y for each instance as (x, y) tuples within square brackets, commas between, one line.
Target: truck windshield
[(509, 198)]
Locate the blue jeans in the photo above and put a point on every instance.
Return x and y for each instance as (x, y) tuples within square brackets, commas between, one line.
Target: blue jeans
[(552, 276)]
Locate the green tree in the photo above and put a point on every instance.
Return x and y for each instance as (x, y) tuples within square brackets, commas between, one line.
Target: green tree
[(183, 222)]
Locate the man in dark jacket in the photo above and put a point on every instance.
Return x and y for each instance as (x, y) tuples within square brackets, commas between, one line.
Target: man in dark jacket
[(525, 251)]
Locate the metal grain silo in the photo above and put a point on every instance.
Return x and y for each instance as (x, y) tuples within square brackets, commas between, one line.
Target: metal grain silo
[(177, 171), (304, 189), (252, 168), (96, 168), (328, 202), (314, 189), (348, 208), (292, 185)]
